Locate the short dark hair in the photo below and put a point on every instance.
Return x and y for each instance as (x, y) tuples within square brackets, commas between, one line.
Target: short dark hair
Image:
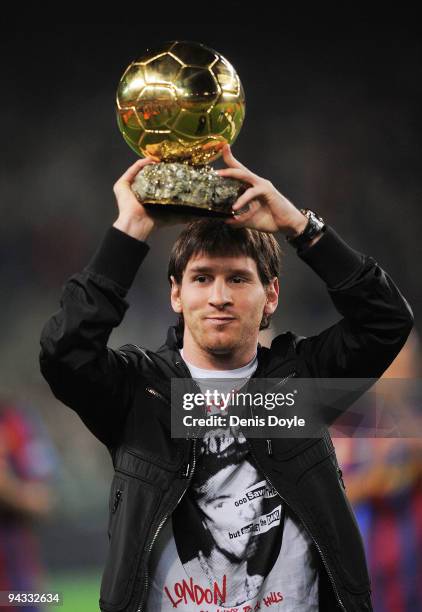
[(214, 237)]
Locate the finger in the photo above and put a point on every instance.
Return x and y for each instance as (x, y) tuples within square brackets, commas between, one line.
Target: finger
[(238, 173), (230, 160), (245, 198), (247, 211), (237, 221), (231, 221), (131, 172), (243, 219)]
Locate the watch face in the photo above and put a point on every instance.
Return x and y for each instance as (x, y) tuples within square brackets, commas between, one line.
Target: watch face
[(311, 214), (314, 215), (316, 219)]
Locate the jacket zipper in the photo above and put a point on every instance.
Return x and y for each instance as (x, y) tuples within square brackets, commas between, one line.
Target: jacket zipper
[(185, 474), (307, 529), (152, 391), (116, 502), (117, 498), (269, 449), (281, 383), (163, 520)]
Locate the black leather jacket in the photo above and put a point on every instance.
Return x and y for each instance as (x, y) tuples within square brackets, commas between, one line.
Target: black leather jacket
[(123, 397)]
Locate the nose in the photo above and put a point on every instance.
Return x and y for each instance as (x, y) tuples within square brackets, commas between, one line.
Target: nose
[(220, 295), (248, 512)]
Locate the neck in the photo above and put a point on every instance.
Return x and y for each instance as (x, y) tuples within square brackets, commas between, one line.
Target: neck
[(209, 360), (219, 564)]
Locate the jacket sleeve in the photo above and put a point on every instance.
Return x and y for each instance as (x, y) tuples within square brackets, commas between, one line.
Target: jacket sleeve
[(376, 318), (86, 375)]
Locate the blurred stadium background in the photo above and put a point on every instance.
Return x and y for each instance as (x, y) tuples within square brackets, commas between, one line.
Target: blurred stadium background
[(332, 118)]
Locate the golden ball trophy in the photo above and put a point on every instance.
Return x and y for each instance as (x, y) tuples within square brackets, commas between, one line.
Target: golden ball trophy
[(180, 104)]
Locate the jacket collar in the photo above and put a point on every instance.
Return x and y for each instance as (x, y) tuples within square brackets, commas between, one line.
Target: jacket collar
[(171, 364), (174, 340)]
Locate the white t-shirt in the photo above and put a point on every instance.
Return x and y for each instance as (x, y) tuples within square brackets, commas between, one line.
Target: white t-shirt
[(231, 544)]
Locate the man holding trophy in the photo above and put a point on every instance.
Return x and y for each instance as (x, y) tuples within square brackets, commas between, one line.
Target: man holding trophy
[(187, 515)]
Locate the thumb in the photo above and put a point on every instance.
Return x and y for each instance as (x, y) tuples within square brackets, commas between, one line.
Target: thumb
[(131, 172), (125, 181)]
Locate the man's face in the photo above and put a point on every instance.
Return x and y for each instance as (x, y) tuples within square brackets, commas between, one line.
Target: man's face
[(222, 301)]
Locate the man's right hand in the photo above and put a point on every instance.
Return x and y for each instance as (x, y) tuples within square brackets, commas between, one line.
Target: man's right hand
[(135, 219)]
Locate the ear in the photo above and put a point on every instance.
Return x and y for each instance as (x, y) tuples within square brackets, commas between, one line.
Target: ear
[(176, 303), (272, 291)]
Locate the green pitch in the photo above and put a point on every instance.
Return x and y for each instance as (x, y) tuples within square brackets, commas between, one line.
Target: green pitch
[(80, 591)]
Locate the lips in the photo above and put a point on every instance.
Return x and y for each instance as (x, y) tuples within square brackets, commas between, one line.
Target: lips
[(220, 320)]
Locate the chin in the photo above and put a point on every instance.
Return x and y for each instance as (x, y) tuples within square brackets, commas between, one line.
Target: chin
[(220, 346), (219, 351)]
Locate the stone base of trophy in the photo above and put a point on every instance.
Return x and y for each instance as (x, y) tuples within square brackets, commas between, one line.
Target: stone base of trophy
[(183, 188)]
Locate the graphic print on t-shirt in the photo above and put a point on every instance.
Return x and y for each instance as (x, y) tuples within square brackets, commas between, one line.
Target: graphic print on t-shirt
[(228, 527), (231, 545)]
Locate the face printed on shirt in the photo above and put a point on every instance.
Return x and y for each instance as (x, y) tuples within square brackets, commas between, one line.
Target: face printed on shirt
[(228, 524), (228, 518)]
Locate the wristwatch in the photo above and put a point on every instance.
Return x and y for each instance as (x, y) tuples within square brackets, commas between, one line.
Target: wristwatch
[(314, 226)]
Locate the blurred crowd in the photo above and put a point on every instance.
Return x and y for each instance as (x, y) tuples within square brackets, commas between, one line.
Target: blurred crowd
[(383, 479)]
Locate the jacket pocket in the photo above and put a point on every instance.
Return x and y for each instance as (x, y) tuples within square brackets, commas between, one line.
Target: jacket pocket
[(133, 503), (116, 496)]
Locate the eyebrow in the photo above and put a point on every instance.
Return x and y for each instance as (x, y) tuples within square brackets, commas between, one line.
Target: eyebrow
[(210, 270), (218, 498)]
